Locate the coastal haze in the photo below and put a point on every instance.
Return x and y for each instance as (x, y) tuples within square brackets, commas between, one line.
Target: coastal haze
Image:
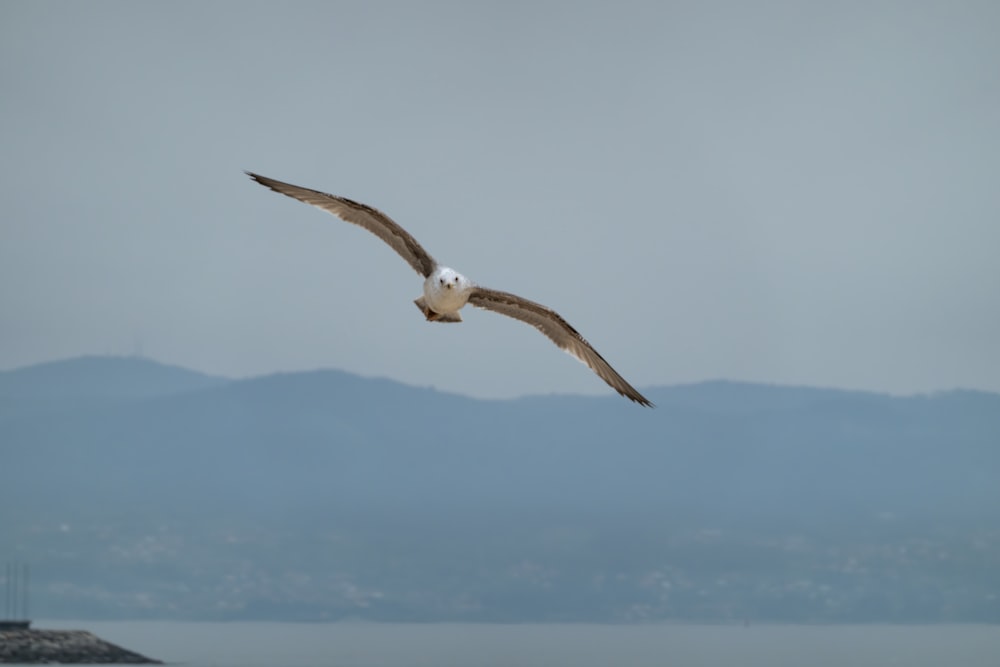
[(144, 491), (222, 420)]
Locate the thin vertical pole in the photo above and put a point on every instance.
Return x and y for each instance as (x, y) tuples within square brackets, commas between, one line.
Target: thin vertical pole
[(14, 582)]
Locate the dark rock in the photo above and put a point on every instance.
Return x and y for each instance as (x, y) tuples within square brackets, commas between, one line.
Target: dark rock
[(64, 646)]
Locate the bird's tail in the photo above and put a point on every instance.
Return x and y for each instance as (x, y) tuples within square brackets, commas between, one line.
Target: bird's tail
[(435, 317)]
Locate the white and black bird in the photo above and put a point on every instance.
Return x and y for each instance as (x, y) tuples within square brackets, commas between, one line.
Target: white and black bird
[(446, 291)]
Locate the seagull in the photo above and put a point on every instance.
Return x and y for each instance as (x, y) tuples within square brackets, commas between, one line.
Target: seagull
[(446, 291)]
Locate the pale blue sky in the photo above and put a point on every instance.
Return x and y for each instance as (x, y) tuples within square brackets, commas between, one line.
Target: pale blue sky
[(788, 192)]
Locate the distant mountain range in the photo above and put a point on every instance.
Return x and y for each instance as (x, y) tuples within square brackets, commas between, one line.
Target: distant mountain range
[(139, 489)]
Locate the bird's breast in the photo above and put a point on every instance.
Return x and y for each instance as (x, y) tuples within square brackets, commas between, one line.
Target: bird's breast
[(442, 298)]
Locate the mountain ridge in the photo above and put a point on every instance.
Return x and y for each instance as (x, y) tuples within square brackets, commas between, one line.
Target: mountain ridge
[(428, 500), (76, 368)]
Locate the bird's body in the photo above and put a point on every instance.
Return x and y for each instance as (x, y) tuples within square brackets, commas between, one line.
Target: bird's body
[(446, 291)]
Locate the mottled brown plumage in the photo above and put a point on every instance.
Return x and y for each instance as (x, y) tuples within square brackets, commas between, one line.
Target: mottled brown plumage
[(446, 291)]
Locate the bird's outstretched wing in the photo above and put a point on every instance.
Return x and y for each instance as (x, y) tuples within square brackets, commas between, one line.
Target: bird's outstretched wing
[(375, 221), (558, 331)]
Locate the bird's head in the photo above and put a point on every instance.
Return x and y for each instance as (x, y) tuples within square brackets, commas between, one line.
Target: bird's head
[(450, 279)]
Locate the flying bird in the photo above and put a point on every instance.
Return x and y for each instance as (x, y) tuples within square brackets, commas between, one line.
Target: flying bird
[(446, 291)]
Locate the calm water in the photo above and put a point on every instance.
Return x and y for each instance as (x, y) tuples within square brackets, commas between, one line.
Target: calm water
[(460, 645)]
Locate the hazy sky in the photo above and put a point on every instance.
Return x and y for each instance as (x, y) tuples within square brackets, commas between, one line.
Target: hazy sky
[(789, 192)]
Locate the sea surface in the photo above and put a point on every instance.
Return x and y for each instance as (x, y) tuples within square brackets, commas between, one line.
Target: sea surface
[(548, 645)]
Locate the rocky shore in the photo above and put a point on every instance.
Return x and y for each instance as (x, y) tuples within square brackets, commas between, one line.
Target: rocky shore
[(64, 646)]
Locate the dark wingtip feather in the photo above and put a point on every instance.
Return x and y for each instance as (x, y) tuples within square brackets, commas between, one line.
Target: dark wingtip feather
[(640, 399)]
